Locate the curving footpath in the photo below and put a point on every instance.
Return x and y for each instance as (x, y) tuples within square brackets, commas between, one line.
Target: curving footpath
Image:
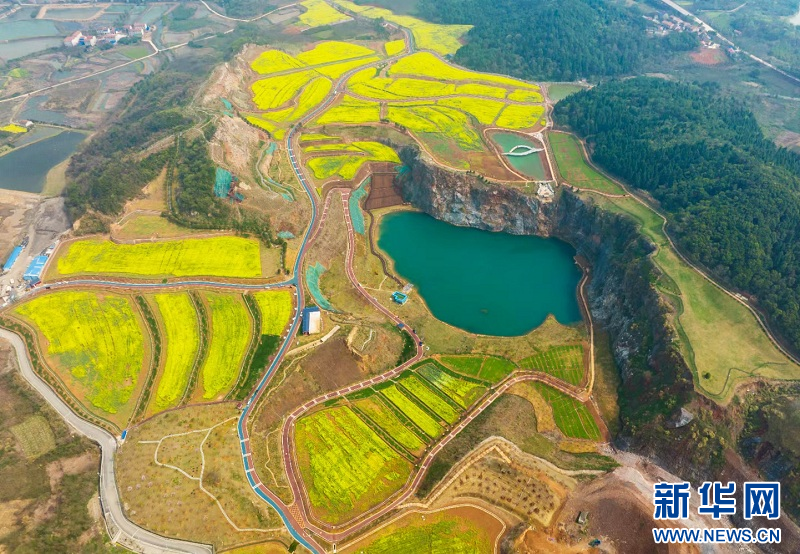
[(128, 533)]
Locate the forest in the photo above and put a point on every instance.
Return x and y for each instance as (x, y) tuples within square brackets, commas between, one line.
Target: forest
[(730, 194), (559, 40)]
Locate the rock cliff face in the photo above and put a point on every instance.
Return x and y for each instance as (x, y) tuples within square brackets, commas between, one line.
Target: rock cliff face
[(464, 199), (621, 295)]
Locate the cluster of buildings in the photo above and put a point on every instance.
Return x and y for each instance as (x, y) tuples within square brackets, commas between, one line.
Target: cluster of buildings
[(666, 23), (107, 35), (11, 284)]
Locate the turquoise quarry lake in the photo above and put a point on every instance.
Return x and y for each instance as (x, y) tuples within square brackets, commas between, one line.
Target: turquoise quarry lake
[(483, 282)]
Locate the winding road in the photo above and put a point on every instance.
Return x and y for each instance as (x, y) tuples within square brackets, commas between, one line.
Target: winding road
[(127, 531)]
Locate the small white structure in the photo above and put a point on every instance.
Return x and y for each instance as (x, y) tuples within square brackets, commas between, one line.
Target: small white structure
[(74, 39), (545, 190), (312, 321)]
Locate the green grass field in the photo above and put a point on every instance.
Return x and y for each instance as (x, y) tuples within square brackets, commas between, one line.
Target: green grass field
[(436, 533), (94, 342), (35, 436), (346, 467), (558, 91), (182, 343), (276, 310), (383, 416), (213, 257), (425, 394), (421, 418), (564, 362), (496, 369), (231, 330), (466, 365), (571, 417), (574, 169), (462, 391)]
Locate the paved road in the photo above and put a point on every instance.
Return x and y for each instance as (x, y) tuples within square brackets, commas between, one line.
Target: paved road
[(127, 532)]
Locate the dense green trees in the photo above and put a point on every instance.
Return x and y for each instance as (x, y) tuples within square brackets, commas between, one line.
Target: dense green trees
[(553, 39), (731, 194)]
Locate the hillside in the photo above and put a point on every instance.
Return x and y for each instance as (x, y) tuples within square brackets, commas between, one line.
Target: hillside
[(730, 193)]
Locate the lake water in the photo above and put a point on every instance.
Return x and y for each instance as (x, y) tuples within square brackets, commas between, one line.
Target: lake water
[(483, 282), (531, 165), (26, 168), (795, 19)]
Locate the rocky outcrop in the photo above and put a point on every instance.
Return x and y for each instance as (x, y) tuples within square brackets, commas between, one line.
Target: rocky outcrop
[(468, 200)]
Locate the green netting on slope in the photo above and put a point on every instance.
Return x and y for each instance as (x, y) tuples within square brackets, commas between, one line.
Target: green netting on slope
[(286, 235), (222, 185), (313, 275), (356, 215)]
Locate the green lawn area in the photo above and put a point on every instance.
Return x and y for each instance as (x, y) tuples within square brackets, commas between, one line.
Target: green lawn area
[(721, 340), (135, 51), (571, 417), (468, 365), (346, 467), (573, 167), (564, 362)]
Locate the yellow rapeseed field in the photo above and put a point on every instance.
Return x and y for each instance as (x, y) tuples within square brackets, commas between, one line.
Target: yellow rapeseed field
[(216, 256), (93, 341), (346, 166), (319, 13), (482, 109), (334, 51), (182, 342), (394, 47), (425, 64), (273, 61), (276, 310), (231, 329), (13, 128), (520, 117), (351, 110)]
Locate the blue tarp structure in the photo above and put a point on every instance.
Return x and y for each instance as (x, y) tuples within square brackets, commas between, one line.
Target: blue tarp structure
[(222, 185), (12, 258), (307, 318), (34, 272)]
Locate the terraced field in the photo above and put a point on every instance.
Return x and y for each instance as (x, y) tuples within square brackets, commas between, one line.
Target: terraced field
[(571, 417), (419, 416), (231, 331), (319, 13), (564, 362), (427, 395), (182, 344), (351, 111), (94, 342), (213, 257), (346, 466), (346, 166), (379, 413), (462, 391)]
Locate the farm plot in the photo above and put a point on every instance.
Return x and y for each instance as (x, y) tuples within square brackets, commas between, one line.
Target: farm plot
[(183, 342), (571, 417), (386, 418), (437, 120), (216, 256), (275, 92), (467, 365), (351, 111), (333, 51), (319, 13), (496, 369), (443, 39), (453, 531), (482, 109), (420, 417), (564, 362), (95, 344), (425, 64), (515, 116), (463, 391), (231, 331), (346, 166), (276, 310), (35, 436), (394, 47), (346, 467), (274, 61), (428, 396)]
